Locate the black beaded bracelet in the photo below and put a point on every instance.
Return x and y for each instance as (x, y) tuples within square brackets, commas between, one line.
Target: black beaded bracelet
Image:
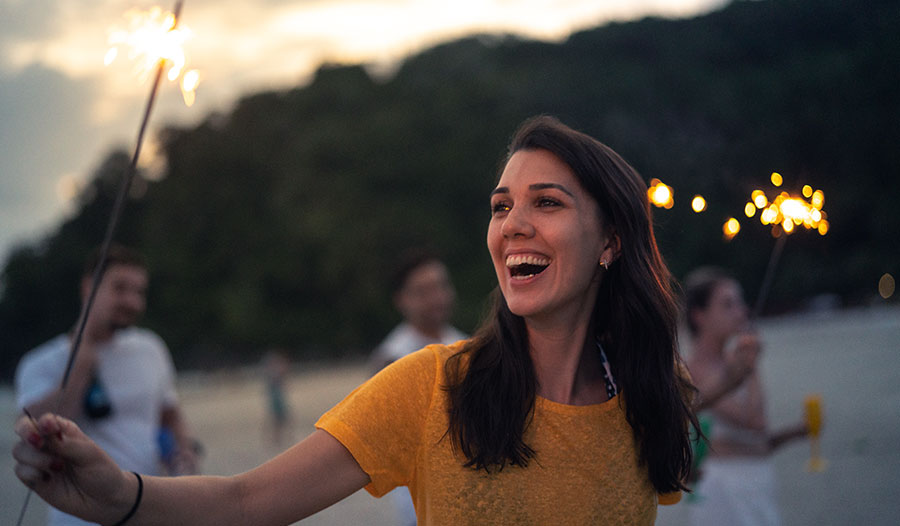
[(137, 501)]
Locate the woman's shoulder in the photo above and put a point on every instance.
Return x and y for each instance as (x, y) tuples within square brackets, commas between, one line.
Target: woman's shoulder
[(434, 357)]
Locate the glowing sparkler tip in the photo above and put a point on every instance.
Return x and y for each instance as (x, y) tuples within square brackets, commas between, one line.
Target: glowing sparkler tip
[(153, 38)]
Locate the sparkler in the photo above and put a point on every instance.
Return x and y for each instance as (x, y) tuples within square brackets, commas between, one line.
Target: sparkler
[(156, 39), (786, 214)]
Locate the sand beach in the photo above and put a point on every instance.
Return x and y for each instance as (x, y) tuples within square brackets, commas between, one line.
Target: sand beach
[(851, 358)]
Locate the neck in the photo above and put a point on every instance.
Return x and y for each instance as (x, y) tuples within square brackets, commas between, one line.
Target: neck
[(566, 364), (429, 331)]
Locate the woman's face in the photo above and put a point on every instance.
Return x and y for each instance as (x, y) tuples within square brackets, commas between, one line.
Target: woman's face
[(545, 237), (726, 312)]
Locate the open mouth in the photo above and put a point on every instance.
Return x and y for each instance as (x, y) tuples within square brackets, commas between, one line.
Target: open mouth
[(524, 267)]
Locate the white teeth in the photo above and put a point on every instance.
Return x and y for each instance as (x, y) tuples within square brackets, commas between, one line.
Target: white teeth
[(520, 259)]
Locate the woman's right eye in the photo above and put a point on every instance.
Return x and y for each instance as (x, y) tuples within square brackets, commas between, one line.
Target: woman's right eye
[(499, 207)]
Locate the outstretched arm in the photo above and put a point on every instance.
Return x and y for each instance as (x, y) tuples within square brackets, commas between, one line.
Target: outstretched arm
[(71, 473), (788, 434)]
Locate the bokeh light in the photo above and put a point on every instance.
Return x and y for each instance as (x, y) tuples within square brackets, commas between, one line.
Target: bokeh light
[(886, 286), (698, 204), (749, 209), (776, 178), (661, 194), (731, 228)]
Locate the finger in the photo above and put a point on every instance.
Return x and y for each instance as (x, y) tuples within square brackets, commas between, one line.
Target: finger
[(25, 426), (26, 454), (50, 424), (29, 475)]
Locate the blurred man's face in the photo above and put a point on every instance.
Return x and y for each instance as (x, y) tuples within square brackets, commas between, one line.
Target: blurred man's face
[(121, 297), (426, 299)]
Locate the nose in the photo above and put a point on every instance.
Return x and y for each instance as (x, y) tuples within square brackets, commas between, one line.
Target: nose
[(517, 223)]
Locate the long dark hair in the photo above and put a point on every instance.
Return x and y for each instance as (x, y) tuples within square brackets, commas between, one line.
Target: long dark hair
[(492, 383)]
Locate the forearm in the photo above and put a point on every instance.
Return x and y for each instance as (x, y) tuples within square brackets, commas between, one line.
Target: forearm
[(784, 436), (68, 402), (196, 500)]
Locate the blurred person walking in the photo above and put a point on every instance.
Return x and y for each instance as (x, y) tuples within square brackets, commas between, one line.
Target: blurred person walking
[(276, 366), (121, 389)]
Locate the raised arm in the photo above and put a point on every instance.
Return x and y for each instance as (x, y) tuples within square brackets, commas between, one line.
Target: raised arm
[(71, 473)]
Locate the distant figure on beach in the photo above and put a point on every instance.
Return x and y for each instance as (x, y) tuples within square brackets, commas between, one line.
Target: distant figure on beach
[(569, 405), (121, 389), (276, 365), (424, 296), (737, 479)]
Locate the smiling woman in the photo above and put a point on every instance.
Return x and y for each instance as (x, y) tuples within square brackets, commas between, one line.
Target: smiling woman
[(570, 397)]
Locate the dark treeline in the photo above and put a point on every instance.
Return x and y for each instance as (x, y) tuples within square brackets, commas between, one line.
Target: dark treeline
[(276, 224)]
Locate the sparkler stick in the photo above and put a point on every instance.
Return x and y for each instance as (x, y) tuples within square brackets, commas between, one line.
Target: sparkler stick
[(111, 226), (769, 276)]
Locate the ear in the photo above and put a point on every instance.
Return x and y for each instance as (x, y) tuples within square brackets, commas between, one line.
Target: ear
[(85, 289), (613, 248)]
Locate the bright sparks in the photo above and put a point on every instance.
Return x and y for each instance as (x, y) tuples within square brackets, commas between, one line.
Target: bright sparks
[(786, 213), (151, 37), (661, 194)]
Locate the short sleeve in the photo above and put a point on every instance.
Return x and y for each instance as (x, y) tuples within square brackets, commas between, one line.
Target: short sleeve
[(668, 499), (382, 421), (39, 372)]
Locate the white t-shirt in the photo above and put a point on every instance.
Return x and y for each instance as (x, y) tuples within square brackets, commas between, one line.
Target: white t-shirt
[(405, 339), (136, 370)]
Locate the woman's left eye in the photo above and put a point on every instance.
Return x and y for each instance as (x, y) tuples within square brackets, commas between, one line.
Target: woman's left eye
[(547, 201)]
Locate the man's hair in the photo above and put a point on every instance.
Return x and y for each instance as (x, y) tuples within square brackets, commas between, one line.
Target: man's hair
[(117, 255), (407, 262)]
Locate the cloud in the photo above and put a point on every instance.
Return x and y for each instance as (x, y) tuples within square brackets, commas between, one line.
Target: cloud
[(45, 133)]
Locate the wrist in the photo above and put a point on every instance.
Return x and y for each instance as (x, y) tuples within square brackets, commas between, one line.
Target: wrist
[(126, 500)]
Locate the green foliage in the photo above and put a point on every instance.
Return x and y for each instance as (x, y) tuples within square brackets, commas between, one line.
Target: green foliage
[(277, 223)]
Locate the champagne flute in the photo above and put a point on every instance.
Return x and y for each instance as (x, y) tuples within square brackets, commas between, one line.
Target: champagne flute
[(813, 409)]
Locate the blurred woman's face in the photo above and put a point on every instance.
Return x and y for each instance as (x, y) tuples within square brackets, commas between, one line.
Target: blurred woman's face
[(726, 313), (545, 237)]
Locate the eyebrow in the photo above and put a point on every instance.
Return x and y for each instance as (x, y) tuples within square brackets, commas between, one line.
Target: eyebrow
[(535, 186)]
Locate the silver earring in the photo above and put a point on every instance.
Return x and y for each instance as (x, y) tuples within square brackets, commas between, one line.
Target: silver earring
[(604, 264)]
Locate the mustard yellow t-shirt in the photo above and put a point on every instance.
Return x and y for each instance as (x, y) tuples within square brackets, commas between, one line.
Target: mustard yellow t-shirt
[(585, 470)]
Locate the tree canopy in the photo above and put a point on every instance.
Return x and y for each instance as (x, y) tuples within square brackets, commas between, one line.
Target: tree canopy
[(277, 223)]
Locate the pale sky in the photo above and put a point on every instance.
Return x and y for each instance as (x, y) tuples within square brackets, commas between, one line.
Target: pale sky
[(62, 110)]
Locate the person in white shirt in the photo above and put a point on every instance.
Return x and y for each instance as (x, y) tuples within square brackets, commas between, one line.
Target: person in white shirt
[(424, 295), (121, 389)]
